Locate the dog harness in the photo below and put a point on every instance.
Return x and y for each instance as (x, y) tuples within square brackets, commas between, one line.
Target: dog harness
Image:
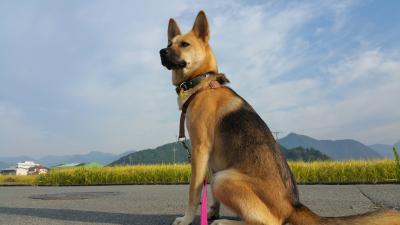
[(184, 99)]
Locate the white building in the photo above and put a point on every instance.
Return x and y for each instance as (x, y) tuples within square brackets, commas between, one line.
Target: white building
[(38, 170), (22, 171), (10, 171), (23, 167), (26, 164)]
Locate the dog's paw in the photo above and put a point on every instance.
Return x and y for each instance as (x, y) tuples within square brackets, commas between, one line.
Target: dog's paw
[(213, 214), (223, 222), (182, 221)]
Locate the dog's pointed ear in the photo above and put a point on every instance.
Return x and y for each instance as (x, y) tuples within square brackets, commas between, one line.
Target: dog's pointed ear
[(200, 27), (173, 29)]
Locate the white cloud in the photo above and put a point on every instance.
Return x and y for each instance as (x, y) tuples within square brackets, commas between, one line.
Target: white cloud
[(259, 43), (367, 111), (144, 103), (367, 65), (340, 11), (99, 62)]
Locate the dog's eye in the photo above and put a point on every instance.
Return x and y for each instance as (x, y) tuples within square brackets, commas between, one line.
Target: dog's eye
[(184, 44), (169, 44)]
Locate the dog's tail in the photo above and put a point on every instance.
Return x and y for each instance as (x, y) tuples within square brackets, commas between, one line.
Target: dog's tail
[(304, 216)]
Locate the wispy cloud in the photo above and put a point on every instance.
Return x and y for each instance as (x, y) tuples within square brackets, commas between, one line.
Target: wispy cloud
[(359, 101), (368, 65), (81, 76)]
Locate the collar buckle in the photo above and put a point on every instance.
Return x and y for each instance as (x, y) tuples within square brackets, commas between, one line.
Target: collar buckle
[(183, 86)]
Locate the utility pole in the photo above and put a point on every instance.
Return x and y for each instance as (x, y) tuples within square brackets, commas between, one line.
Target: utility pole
[(276, 133), (174, 150), (174, 147)]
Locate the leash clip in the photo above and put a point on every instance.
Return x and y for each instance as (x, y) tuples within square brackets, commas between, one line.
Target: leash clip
[(182, 141)]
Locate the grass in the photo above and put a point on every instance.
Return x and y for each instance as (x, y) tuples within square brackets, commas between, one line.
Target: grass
[(342, 172), (18, 180), (397, 161), (327, 172), (334, 172), (138, 174)]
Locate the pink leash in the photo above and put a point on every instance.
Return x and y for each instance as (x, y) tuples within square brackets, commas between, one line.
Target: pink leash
[(203, 213)]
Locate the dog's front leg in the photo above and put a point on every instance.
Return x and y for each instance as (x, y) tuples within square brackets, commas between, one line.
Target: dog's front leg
[(199, 168)]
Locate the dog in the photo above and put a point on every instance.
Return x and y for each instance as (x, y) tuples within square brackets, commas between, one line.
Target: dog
[(250, 173)]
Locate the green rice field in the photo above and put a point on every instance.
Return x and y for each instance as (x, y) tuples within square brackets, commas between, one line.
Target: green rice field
[(324, 172)]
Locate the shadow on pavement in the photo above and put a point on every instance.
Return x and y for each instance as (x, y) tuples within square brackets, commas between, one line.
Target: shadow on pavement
[(95, 217)]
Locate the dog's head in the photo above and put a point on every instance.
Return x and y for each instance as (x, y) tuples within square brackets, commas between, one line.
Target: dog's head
[(188, 55)]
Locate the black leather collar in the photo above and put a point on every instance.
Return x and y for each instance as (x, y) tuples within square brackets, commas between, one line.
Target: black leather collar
[(186, 85)]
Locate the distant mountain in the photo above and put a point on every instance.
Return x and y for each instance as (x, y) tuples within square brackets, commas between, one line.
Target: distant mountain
[(4, 165), (303, 154), (384, 150), (337, 149), (126, 153), (161, 154), (165, 154), (15, 159), (52, 160), (6, 162), (93, 156)]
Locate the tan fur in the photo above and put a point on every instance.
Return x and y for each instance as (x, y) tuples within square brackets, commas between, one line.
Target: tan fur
[(198, 55), (235, 189), (258, 188)]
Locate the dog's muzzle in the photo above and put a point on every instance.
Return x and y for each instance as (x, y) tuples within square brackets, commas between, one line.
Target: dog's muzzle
[(170, 60)]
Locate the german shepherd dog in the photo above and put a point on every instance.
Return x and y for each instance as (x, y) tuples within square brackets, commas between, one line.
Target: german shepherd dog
[(250, 174)]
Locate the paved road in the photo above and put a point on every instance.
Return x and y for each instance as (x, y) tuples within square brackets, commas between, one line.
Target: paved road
[(160, 204)]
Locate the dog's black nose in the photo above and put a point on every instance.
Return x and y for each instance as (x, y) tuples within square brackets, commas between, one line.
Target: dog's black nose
[(164, 51)]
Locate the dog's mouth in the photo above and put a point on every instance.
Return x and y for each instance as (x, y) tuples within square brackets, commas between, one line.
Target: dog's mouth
[(171, 60), (171, 65)]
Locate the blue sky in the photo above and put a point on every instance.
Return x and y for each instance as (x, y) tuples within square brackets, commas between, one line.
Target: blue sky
[(77, 76)]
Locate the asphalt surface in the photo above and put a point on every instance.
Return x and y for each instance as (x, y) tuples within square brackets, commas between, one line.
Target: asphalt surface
[(160, 204)]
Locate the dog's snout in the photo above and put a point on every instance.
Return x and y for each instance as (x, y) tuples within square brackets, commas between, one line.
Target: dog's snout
[(164, 51), (171, 60)]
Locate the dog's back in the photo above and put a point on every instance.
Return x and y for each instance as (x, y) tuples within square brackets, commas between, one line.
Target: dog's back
[(249, 146)]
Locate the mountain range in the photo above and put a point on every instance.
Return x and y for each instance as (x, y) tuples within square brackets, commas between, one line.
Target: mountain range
[(93, 156), (165, 154), (384, 150), (160, 154), (4, 165), (335, 149), (52, 160)]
